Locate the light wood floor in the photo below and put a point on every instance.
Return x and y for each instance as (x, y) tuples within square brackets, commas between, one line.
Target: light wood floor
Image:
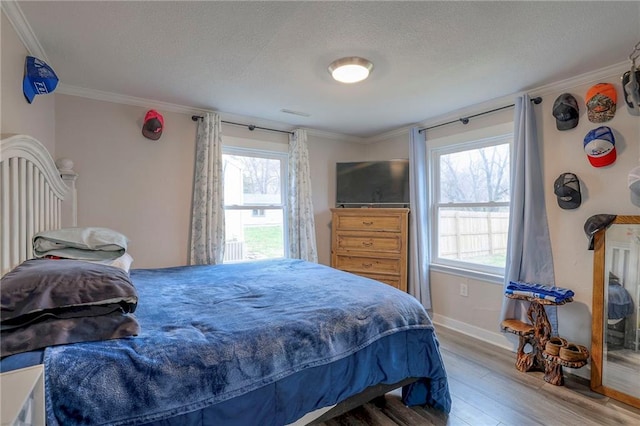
[(486, 389)]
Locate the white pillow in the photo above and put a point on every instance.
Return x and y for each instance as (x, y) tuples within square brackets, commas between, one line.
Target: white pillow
[(123, 262)]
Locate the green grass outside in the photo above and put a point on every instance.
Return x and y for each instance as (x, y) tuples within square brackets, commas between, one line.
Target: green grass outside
[(263, 242)]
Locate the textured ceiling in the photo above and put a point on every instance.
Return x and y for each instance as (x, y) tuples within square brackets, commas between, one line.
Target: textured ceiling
[(256, 58)]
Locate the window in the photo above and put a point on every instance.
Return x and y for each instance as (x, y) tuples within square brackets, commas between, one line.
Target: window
[(470, 201), (254, 198)]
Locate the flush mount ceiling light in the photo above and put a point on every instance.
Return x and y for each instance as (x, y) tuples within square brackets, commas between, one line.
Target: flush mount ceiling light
[(351, 69)]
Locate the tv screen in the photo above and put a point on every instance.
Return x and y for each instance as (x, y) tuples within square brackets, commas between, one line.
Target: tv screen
[(372, 182)]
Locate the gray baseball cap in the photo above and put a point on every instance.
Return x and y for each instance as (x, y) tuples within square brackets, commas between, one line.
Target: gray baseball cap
[(596, 223), (565, 110), (567, 189)]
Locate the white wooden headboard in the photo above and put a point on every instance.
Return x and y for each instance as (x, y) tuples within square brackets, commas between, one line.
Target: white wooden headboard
[(34, 196)]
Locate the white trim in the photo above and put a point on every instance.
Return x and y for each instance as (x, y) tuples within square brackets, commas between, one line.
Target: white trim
[(27, 36), (100, 95), (495, 338), (467, 273), (493, 136), (591, 77), (283, 158), (25, 33)]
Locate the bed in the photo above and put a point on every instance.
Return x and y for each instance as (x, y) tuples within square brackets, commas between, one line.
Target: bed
[(268, 342)]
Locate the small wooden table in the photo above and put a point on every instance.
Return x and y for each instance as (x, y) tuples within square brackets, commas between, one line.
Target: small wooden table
[(553, 372), (536, 333)]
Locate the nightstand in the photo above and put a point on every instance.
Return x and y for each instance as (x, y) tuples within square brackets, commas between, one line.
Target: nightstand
[(22, 390)]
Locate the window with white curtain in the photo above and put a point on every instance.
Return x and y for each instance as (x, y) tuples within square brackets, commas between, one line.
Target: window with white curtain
[(254, 203), (470, 196)]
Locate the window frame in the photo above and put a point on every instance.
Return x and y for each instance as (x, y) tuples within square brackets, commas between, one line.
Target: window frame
[(494, 136), (283, 157)]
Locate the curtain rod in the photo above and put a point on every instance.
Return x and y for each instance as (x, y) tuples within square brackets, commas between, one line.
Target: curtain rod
[(248, 126), (465, 120)]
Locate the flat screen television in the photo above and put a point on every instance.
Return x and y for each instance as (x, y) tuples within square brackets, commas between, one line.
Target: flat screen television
[(372, 183)]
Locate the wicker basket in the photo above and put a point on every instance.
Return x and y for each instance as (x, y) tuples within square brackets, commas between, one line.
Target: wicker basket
[(574, 353), (554, 344)]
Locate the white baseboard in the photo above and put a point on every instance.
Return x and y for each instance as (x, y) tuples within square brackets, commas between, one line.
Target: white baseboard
[(495, 338)]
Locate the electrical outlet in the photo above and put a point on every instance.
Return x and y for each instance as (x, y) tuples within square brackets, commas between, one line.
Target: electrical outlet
[(464, 290)]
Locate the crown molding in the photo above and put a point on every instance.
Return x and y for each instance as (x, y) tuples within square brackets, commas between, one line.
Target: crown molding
[(336, 136), (25, 33), (591, 77), (99, 95), (28, 38), (13, 12), (588, 78)]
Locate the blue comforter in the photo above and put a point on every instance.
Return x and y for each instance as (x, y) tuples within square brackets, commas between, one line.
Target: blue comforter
[(212, 334)]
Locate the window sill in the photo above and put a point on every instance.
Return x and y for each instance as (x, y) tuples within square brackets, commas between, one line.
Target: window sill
[(467, 273)]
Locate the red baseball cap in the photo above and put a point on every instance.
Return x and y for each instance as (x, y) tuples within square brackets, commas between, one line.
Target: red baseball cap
[(153, 125), (600, 146)]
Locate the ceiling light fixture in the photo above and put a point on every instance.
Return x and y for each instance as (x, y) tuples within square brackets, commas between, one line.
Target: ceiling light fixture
[(351, 69)]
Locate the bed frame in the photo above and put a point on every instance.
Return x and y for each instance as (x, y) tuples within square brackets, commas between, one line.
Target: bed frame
[(38, 193), (35, 195)]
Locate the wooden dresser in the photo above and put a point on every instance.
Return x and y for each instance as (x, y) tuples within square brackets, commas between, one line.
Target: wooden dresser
[(371, 242)]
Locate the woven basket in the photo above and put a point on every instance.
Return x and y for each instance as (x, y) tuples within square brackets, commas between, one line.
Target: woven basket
[(554, 344), (574, 353)]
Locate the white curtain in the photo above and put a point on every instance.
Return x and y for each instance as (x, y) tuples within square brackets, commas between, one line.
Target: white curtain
[(302, 229), (529, 257), (207, 214), (418, 220)]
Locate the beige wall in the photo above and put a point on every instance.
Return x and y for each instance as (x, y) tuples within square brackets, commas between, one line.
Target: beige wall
[(323, 155), (142, 188), (604, 190), (17, 116), (127, 182)]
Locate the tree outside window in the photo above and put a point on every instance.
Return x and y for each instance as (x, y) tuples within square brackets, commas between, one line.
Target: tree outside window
[(471, 204), (254, 204)]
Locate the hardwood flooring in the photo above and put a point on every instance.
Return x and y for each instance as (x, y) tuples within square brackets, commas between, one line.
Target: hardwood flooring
[(486, 389)]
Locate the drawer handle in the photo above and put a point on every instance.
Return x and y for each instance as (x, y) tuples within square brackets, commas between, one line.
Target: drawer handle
[(367, 265), (367, 243), (367, 223)]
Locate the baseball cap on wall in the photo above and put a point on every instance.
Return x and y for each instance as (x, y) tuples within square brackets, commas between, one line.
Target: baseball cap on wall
[(39, 78), (153, 125), (601, 102), (567, 189), (634, 185), (631, 88), (600, 146), (565, 110), (596, 223)]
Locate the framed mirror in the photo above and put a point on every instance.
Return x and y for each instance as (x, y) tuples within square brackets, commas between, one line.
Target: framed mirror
[(615, 340)]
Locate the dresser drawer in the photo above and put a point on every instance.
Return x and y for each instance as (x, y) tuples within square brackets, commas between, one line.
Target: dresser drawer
[(392, 280), (368, 264), (375, 242), (369, 222)]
